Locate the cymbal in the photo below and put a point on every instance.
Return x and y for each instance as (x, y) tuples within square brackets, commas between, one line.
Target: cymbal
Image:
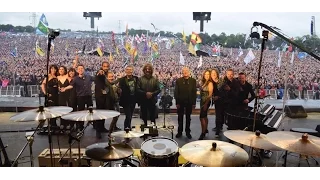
[(251, 139), (41, 113), (127, 134), (91, 115), (210, 153), (104, 152), (296, 142)]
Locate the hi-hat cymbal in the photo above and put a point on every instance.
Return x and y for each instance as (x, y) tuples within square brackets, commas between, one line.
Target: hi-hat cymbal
[(91, 115), (41, 113), (251, 139), (104, 152), (126, 134), (210, 153), (296, 142)]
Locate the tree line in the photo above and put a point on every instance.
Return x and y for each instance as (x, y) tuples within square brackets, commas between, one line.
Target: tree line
[(229, 41)]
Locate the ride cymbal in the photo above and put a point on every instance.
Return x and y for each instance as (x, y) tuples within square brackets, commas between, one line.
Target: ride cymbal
[(41, 113), (90, 115), (300, 143), (210, 153), (251, 139), (104, 152)]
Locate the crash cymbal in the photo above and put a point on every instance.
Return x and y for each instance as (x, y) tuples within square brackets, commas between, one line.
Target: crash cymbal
[(251, 139), (90, 115), (210, 153), (296, 142), (127, 134), (104, 152), (41, 113)]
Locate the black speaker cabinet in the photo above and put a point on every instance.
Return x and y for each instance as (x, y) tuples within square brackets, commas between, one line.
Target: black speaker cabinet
[(295, 111)]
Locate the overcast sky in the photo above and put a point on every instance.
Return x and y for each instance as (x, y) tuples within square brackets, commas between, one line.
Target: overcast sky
[(292, 24)]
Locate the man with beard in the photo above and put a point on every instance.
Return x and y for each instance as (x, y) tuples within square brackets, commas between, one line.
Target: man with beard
[(148, 90), (103, 97), (128, 86), (229, 92)]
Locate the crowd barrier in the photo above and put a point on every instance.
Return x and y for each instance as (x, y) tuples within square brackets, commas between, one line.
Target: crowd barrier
[(34, 91)]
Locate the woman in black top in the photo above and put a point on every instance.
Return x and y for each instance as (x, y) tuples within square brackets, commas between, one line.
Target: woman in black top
[(63, 81), (218, 106)]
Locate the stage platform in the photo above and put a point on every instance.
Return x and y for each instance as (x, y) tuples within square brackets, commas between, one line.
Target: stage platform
[(13, 135), (18, 104)]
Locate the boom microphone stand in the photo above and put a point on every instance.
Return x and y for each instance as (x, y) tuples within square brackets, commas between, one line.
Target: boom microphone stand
[(51, 36), (265, 38)]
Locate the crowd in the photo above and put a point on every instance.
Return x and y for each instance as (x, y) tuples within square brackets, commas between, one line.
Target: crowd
[(28, 68)]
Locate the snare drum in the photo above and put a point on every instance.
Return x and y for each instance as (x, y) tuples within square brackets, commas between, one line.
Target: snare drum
[(159, 152)]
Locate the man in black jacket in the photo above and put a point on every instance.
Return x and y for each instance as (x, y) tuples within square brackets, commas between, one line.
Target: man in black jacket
[(103, 96), (128, 86), (245, 90), (148, 89), (185, 94)]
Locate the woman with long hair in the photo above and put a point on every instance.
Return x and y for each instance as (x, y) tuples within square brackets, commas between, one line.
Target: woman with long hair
[(206, 91), (217, 82), (63, 96), (53, 92)]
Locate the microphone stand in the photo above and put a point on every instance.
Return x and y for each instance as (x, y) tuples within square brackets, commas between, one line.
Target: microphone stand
[(265, 38), (77, 139), (30, 143), (50, 38)]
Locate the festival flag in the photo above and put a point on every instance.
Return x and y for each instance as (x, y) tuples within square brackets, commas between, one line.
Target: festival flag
[(99, 51), (181, 59), (127, 31), (14, 52), (184, 37), (292, 57), (195, 38), (200, 62), (250, 56), (110, 57), (191, 49), (39, 51), (42, 26)]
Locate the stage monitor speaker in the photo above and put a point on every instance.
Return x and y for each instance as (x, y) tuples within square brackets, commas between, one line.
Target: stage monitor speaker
[(295, 111)]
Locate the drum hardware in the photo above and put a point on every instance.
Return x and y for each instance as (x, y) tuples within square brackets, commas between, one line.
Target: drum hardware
[(257, 142), (72, 139), (30, 140), (40, 114), (159, 152), (210, 153), (85, 116), (6, 162), (302, 144)]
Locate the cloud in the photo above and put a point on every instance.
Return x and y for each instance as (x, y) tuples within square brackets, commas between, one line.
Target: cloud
[(292, 24)]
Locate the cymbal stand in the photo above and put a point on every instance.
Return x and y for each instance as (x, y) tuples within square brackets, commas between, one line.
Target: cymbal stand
[(30, 143), (164, 104), (77, 139)]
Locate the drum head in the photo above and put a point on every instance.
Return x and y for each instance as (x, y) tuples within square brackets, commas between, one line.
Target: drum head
[(160, 146)]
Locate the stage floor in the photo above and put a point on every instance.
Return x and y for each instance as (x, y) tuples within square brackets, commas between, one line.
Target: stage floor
[(16, 140)]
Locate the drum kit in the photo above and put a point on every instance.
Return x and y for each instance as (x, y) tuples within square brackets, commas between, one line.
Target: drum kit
[(163, 151)]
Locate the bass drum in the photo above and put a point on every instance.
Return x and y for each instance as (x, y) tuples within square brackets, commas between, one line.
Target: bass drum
[(159, 152), (189, 164)]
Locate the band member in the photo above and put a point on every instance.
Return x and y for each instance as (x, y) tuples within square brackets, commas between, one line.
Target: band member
[(245, 89), (114, 97), (53, 92), (82, 83), (148, 90), (72, 101), (102, 92), (229, 91), (206, 91), (185, 94), (128, 86), (216, 100), (63, 96)]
